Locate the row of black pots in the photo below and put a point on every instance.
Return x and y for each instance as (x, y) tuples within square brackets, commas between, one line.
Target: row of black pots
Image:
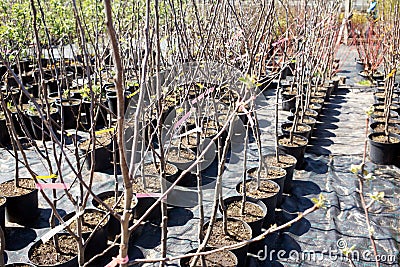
[(384, 149), (72, 112), (289, 96), (310, 118)]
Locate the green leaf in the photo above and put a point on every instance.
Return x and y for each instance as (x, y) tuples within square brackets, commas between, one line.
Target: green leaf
[(347, 251), (320, 201), (370, 110), (377, 196)]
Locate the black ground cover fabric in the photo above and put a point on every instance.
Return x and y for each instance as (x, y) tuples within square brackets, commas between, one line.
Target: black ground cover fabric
[(337, 143)]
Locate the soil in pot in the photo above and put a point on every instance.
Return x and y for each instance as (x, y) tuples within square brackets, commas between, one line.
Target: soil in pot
[(380, 127), (254, 212), (47, 255), (22, 201), (237, 231), (267, 193), (90, 219), (286, 162), (117, 204), (267, 189), (381, 107), (375, 114), (216, 259), (189, 141), (382, 138), (181, 158), (171, 171), (301, 129), (320, 94), (276, 174), (41, 102), (296, 142), (317, 100), (316, 107), (376, 75), (308, 112), (380, 96), (306, 120)]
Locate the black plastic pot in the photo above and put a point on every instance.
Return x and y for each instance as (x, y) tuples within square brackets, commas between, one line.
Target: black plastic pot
[(3, 204), (360, 65), (51, 85), (19, 264), (296, 151), (4, 135), (101, 119), (102, 157), (335, 82), (145, 201), (19, 120), (241, 252), (70, 112), (38, 128), (185, 262), (112, 101), (330, 88), (384, 153), (289, 173), (279, 180), (306, 133), (256, 225), (34, 90), (73, 262), (22, 209), (98, 242), (270, 202), (113, 227), (288, 101)]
